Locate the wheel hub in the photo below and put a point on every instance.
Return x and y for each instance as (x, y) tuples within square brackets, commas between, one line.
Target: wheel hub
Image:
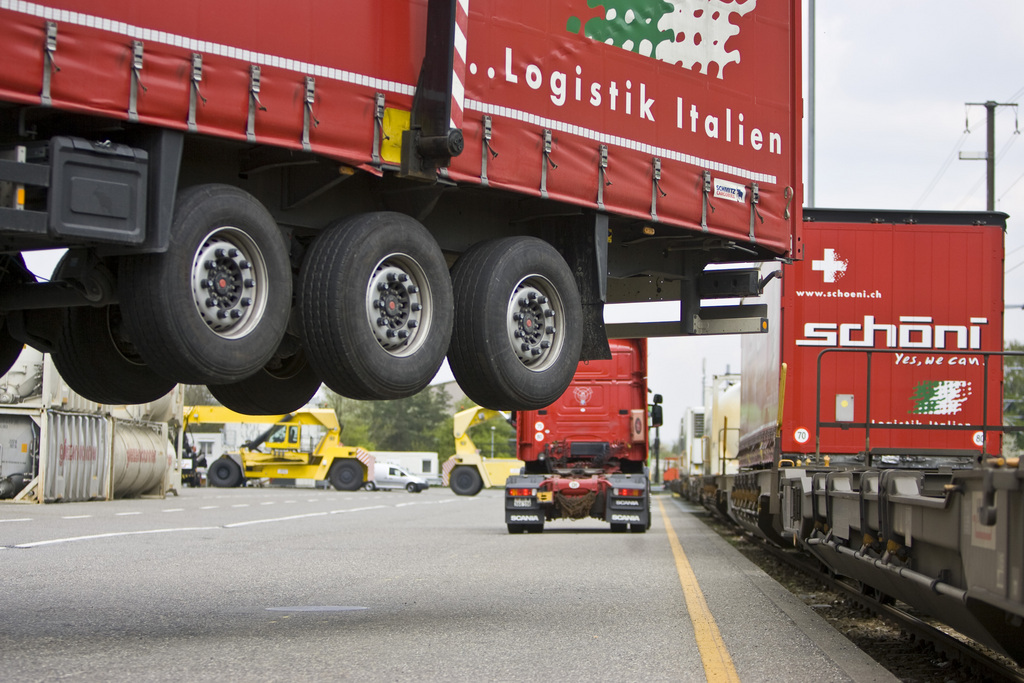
[(225, 285), (394, 307), (531, 325)]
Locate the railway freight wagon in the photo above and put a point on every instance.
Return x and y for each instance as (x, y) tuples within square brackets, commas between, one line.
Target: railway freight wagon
[(261, 199), (871, 421), (59, 447)]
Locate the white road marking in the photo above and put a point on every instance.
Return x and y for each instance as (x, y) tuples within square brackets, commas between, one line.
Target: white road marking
[(113, 534), (372, 507), (275, 519)]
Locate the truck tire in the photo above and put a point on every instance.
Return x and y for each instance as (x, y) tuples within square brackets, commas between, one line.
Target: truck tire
[(465, 481), (283, 385), (376, 303), (10, 348), (638, 528), (517, 335), (225, 473), (215, 306), (12, 271), (619, 528), (346, 475), (97, 361), (94, 358), (516, 528)]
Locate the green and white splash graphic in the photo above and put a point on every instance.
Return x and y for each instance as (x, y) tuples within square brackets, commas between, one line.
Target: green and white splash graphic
[(691, 33), (945, 397)]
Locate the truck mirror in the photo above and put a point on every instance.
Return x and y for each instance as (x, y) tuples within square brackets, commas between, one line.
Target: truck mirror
[(656, 414)]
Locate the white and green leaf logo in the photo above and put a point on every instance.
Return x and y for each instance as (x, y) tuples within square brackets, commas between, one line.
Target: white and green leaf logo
[(691, 33), (945, 397)]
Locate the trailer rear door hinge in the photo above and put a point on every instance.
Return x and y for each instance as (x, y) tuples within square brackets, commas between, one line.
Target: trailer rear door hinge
[(49, 64), (194, 94)]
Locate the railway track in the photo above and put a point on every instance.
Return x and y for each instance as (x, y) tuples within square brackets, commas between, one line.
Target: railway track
[(911, 646)]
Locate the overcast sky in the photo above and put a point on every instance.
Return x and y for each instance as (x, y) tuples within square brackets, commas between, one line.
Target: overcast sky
[(892, 82)]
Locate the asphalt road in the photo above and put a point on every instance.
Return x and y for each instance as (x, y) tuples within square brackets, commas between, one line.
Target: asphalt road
[(298, 584)]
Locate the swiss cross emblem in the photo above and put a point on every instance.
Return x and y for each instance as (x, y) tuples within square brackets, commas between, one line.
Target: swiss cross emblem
[(831, 265), (583, 395)]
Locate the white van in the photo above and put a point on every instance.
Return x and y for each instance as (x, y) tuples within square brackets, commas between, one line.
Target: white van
[(388, 475)]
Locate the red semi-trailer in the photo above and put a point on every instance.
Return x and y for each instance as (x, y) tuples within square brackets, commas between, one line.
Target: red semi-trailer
[(585, 455), (885, 327), (262, 198)]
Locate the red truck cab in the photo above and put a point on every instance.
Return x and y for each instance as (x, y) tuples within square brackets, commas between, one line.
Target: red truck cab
[(585, 455)]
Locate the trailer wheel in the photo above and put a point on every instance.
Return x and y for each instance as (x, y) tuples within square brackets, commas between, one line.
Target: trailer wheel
[(376, 304), (346, 475), (97, 361), (370, 486), (12, 271), (10, 348), (517, 335), (225, 473), (283, 385), (214, 307), (465, 481)]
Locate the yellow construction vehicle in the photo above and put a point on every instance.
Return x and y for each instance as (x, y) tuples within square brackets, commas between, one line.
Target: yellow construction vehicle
[(467, 472), (277, 453)]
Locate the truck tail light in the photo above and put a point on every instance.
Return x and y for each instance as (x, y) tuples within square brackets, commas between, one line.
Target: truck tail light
[(629, 493), (522, 492)]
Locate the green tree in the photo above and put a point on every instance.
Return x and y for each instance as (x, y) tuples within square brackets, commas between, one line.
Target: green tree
[(199, 395), (408, 424), (1013, 395)]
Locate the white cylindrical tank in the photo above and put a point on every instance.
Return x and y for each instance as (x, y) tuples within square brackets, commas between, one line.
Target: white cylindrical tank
[(24, 379), (139, 460), (164, 409)]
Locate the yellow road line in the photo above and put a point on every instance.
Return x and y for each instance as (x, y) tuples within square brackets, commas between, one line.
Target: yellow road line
[(718, 664)]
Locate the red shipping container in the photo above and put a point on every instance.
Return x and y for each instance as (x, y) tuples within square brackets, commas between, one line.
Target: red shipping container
[(924, 291)]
